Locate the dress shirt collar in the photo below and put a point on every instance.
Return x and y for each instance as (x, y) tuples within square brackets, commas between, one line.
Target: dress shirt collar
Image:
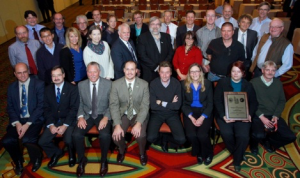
[(97, 83), (214, 28), (165, 84), (156, 38), (241, 32), (265, 82), (51, 50), (190, 29), (125, 42), (132, 83), (26, 83), (100, 23), (60, 87)]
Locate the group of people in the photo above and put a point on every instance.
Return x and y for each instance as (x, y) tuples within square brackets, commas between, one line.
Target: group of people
[(70, 80)]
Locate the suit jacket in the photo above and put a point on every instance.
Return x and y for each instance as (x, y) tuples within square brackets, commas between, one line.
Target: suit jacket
[(120, 55), (35, 101), (119, 100), (144, 29), (104, 26), (56, 38), (250, 43), (181, 31), (149, 56), (67, 108), (85, 105)]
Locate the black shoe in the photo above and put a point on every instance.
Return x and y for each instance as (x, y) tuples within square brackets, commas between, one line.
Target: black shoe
[(120, 157), (237, 168), (254, 151), (54, 160), (103, 169), (199, 160), (37, 164), (165, 147), (144, 159), (72, 157), (81, 166), (208, 160), (19, 167), (268, 147)]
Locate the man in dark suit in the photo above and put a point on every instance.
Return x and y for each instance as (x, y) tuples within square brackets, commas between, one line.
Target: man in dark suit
[(138, 27), (154, 47), (189, 26), (59, 30), (93, 110), (248, 38), (97, 20), (61, 102), (123, 51), (130, 108), (25, 100)]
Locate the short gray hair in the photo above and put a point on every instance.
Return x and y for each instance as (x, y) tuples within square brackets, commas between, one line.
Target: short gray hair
[(81, 17), (269, 63), (152, 19), (93, 63), (123, 25)]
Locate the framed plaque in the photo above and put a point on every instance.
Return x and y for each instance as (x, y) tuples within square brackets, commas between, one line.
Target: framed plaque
[(236, 105)]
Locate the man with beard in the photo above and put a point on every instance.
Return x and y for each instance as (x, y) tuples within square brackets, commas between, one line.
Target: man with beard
[(82, 24), (154, 47), (24, 50), (59, 29)]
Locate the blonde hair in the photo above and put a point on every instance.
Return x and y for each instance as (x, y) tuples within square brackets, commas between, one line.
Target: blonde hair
[(76, 32), (189, 80)]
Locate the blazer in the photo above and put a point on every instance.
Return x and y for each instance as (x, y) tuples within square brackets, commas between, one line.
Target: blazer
[(56, 38), (120, 55), (181, 31), (119, 100), (205, 98), (66, 110), (133, 37), (67, 62), (149, 56), (35, 101), (250, 43), (85, 105)]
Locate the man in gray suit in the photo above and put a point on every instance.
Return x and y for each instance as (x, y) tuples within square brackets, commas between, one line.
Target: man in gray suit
[(130, 108), (93, 110)]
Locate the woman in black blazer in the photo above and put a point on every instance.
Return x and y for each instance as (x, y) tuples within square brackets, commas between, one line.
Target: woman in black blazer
[(197, 108)]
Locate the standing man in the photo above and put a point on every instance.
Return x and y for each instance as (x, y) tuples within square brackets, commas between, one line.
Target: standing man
[(271, 101), (24, 50), (227, 17), (222, 52), (97, 20), (32, 25), (93, 111), (123, 51), (274, 47), (47, 56), (189, 26), (82, 24), (154, 47), (169, 27), (261, 23), (61, 102), (130, 108), (138, 27), (59, 29), (207, 33), (248, 38), (25, 100)]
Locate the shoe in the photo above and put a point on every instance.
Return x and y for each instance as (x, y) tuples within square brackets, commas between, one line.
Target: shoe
[(208, 160), (144, 159), (121, 157), (268, 147), (72, 157), (165, 147), (19, 168), (103, 169), (237, 168), (37, 164), (254, 151), (54, 160), (199, 160), (81, 166)]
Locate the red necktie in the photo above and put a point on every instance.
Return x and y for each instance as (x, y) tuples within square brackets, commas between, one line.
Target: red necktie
[(32, 66), (36, 37), (168, 30)]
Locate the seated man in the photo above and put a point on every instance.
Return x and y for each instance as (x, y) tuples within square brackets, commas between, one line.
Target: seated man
[(271, 101), (130, 108), (25, 100), (93, 110), (61, 102), (165, 103)]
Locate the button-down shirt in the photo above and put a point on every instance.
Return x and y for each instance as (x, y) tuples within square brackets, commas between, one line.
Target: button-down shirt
[(61, 35), (157, 42), (204, 37), (240, 36), (219, 22), (51, 50), (190, 29), (265, 82), (260, 27), (172, 29), (37, 28), (132, 84)]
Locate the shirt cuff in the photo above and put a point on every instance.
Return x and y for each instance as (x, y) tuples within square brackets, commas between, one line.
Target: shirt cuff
[(29, 123), (204, 116), (164, 104), (191, 113), (49, 125), (14, 123), (79, 117), (66, 125), (260, 115)]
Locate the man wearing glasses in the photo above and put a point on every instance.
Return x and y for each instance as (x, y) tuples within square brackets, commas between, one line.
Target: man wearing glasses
[(82, 24), (261, 23), (274, 47)]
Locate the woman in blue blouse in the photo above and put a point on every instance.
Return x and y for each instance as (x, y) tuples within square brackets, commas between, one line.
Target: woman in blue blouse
[(197, 108)]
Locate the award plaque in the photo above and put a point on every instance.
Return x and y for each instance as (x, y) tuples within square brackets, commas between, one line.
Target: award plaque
[(236, 105)]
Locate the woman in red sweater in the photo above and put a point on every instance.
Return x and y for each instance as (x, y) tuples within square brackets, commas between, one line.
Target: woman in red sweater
[(186, 55)]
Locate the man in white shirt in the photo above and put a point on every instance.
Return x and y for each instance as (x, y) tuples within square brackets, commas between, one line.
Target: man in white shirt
[(168, 26), (261, 23), (227, 17)]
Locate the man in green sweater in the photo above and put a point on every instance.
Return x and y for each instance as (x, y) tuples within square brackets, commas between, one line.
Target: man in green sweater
[(267, 126)]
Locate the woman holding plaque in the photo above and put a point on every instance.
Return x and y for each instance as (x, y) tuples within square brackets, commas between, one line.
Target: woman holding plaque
[(235, 133), (197, 107)]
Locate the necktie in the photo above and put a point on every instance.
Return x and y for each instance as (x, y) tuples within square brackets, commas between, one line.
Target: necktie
[(130, 107), (32, 66), (24, 101), (132, 52), (99, 26), (168, 30), (58, 95), (94, 102), (244, 43), (36, 37)]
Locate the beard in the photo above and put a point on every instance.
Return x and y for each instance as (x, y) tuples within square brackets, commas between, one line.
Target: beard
[(24, 39), (155, 32)]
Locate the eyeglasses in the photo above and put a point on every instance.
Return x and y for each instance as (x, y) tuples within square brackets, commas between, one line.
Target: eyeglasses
[(22, 73), (58, 75), (276, 27), (189, 39)]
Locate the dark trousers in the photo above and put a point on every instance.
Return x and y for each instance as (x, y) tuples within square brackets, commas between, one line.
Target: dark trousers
[(44, 8), (11, 141), (49, 147), (140, 140), (172, 120), (51, 6), (277, 139), (198, 136), (104, 137), (236, 138)]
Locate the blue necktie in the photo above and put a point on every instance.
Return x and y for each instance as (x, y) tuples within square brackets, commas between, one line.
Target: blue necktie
[(58, 95), (132, 52), (24, 101)]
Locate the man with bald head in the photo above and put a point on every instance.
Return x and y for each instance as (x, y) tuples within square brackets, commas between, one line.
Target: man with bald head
[(24, 49), (227, 17), (274, 47), (59, 29)]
